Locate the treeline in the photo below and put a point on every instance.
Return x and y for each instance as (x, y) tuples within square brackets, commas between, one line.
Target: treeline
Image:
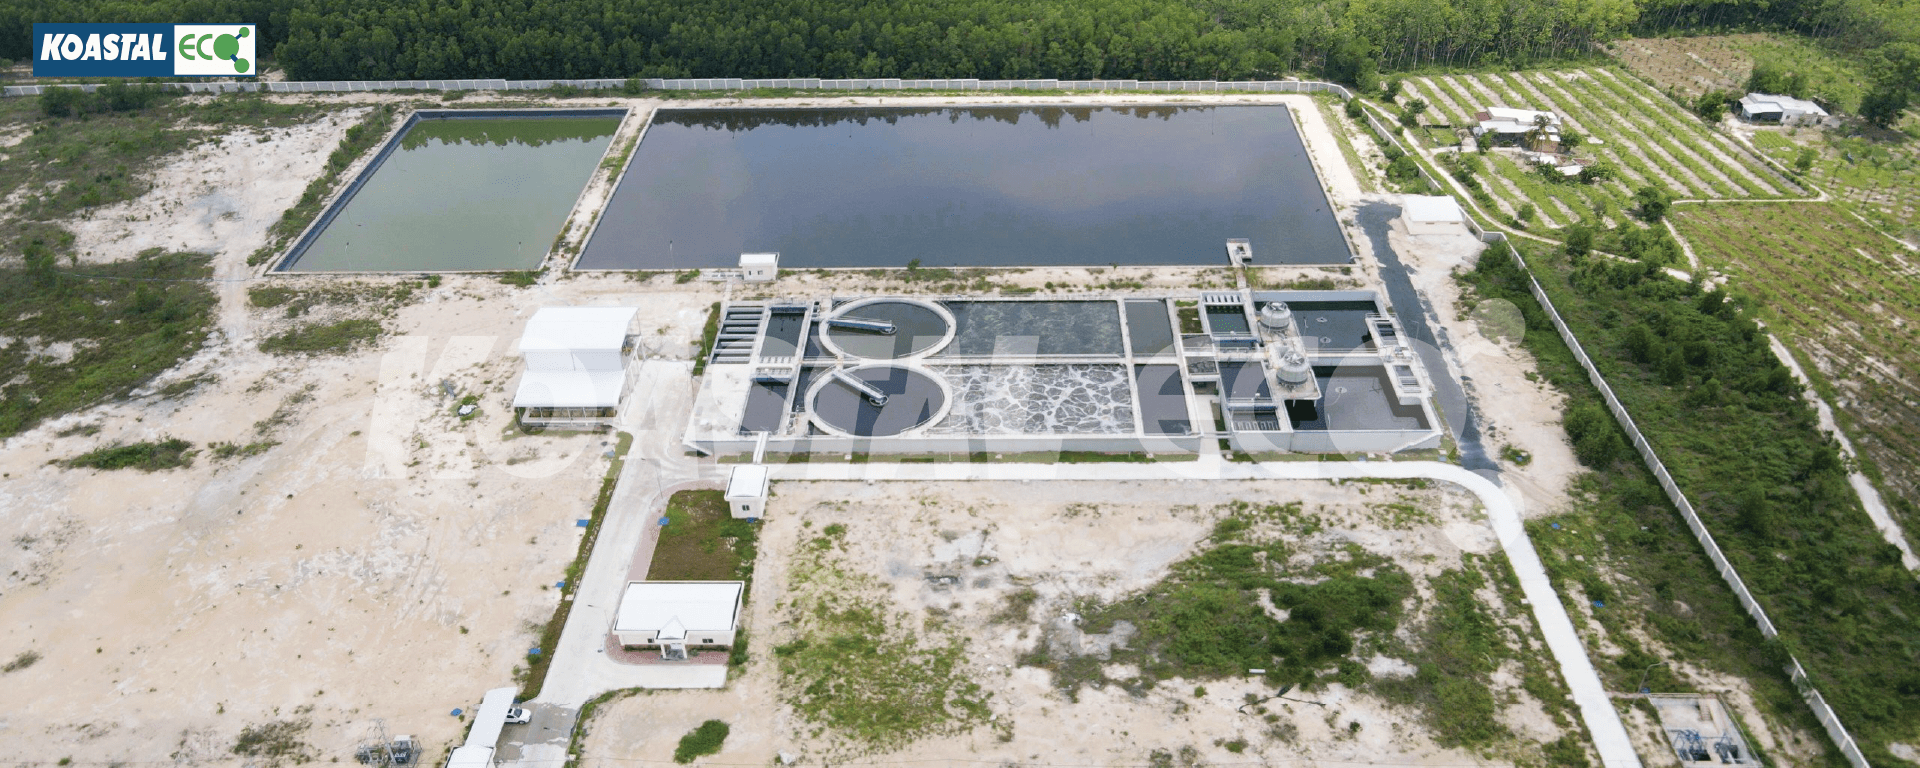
[(988, 39)]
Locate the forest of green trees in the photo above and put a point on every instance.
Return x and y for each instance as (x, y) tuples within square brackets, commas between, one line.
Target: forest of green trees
[(1140, 39)]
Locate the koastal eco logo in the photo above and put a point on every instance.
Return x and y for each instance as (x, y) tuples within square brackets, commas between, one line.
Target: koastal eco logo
[(214, 49), (145, 50)]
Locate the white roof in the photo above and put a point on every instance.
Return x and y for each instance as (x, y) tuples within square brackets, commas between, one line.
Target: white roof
[(578, 328), (1767, 102), (1524, 116), (759, 260), (747, 481), (1432, 208), (569, 389), (471, 757), (697, 606), (488, 720)]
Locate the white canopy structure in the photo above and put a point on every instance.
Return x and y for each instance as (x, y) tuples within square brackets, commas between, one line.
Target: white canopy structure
[(575, 358)]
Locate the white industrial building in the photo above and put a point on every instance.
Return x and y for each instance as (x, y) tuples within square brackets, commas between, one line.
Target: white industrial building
[(576, 366), (674, 615), (1786, 110), (747, 491), (1433, 215)]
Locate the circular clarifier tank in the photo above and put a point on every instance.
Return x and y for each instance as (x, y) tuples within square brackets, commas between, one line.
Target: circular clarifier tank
[(888, 329), (877, 400)]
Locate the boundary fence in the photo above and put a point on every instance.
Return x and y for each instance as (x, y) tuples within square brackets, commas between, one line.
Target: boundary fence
[(1798, 674), (735, 84)]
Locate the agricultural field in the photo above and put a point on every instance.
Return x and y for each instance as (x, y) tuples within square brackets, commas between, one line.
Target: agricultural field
[(1876, 174), (1686, 67), (1794, 260), (1642, 135)]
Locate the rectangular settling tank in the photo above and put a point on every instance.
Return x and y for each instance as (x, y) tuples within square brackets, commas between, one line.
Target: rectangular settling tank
[(967, 186), (466, 190)]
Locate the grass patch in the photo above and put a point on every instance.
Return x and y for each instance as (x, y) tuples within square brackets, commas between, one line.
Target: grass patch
[(333, 338), (1206, 621), (534, 674), (702, 541), (275, 742), (704, 740), (125, 322), (20, 662), (707, 334), (167, 453), (877, 679), (77, 157)]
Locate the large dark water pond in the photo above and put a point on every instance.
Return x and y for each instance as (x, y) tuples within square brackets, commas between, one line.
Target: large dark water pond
[(973, 186)]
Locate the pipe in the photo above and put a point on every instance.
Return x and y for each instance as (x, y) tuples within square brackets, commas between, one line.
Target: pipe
[(873, 394), (862, 324)]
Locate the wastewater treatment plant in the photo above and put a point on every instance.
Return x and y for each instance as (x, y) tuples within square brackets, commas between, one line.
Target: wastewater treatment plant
[(507, 424)]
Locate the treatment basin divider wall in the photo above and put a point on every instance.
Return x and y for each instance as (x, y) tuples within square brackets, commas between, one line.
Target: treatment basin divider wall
[(345, 195), (908, 446)]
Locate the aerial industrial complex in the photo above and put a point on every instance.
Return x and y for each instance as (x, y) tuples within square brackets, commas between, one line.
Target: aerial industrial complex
[(1091, 426)]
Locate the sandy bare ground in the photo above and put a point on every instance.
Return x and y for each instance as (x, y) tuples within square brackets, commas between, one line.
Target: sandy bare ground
[(384, 560), (1067, 541)]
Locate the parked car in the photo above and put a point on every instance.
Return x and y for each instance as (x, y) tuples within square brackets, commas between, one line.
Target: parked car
[(518, 715)]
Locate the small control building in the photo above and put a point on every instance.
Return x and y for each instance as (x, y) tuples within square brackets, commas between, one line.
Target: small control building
[(759, 267), (675, 615), (747, 491), (1433, 215)]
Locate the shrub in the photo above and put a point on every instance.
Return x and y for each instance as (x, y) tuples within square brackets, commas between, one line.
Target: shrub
[(704, 740), (324, 338), (167, 453), (1653, 202)]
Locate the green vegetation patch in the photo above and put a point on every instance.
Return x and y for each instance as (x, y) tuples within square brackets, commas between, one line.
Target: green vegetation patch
[(1206, 619), (1790, 261), (702, 541), (324, 338), (704, 740), (1730, 424), (339, 317), (82, 151), (874, 678), (166, 453), (77, 336)]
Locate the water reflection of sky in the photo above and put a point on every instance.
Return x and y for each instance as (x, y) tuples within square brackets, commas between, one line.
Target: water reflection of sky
[(967, 187)]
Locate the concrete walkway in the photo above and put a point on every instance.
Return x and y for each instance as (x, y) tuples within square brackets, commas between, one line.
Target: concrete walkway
[(1602, 720), (656, 466)]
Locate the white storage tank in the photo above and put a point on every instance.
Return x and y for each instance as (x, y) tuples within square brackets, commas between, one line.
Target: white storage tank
[(1276, 316), (1292, 369)]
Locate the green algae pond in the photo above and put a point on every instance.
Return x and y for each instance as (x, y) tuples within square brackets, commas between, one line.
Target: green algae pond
[(464, 191)]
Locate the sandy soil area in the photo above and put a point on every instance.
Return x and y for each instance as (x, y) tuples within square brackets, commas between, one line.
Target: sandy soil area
[(384, 560), (219, 196), (1068, 542)]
